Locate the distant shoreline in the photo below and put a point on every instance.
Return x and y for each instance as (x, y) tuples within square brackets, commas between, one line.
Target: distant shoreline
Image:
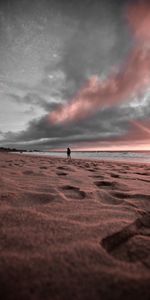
[(3, 149), (83, 156)]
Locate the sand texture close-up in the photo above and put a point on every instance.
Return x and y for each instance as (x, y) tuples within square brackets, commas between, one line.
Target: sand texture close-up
[(73, 229)]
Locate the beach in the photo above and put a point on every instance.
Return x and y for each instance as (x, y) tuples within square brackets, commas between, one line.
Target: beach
[(73, 229)]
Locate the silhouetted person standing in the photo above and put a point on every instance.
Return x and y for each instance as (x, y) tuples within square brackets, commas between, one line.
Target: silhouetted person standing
[(68, 153)]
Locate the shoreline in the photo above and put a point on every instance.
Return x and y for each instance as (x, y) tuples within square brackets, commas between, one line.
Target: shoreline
[(96, 160)]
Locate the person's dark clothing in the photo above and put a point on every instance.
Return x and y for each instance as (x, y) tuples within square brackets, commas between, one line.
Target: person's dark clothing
[(68, 152)]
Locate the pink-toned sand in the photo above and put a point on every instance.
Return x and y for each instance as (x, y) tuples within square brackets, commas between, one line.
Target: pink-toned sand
[(73, 230)]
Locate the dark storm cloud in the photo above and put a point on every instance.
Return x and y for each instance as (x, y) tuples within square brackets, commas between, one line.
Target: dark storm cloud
[(107, 125)]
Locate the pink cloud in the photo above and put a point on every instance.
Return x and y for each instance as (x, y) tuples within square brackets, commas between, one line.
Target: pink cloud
[(136, 138), (139, 19), (132, 77)]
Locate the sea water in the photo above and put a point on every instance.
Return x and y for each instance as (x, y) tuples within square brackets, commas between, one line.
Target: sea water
[(129, 156)]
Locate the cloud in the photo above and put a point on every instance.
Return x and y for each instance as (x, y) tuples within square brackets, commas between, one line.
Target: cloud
[(108, 125), (98, 43), (34, 100), (138, 15), (97, 94), (133, 76), (136, 136), (81, 73)]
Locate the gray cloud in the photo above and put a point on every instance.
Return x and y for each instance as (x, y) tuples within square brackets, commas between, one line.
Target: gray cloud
[(98, 44), (106, 125), (35, 100), (70, 41)]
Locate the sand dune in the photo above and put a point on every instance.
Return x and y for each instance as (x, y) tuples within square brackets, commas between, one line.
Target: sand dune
[(73, 229)]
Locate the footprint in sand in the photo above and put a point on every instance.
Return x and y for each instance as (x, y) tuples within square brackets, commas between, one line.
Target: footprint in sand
[(132, 243), (91, 170), (31, 172), (107, 195), (114, 175), (142, 173), (134, 196), (61, 173), (104, 184), (28, 172), (61, 168), (64, 168), (72, 192), (106, 198), (96, 176), (43, 167), (139, 201)]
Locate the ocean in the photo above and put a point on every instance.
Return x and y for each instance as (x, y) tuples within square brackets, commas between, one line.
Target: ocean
[(129, 156)]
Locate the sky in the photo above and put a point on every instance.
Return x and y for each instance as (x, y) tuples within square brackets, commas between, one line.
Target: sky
[(75, 73)]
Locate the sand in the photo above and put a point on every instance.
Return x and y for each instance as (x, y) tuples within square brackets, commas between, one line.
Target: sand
[(73, 229)]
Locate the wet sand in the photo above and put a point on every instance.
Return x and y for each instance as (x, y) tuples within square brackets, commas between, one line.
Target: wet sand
[(75, 229)]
